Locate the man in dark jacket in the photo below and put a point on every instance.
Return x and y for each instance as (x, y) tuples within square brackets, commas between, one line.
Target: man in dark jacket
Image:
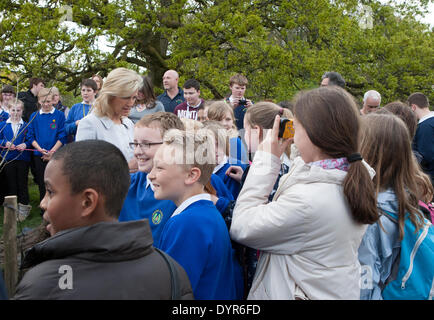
[(423, 141), (30, 97), (90, 255)]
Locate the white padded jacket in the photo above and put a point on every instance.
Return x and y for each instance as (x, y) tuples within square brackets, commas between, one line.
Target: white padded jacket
[(306, 235)]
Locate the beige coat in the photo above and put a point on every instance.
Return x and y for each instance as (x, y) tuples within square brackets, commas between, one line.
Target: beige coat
[(306, 235)]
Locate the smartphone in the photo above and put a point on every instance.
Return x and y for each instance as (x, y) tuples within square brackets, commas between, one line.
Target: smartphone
[(286, 128)]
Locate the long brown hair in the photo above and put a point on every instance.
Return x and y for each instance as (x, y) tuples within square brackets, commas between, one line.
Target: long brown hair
[(332, 121), (386, 146), (263, 113), (148, 92)]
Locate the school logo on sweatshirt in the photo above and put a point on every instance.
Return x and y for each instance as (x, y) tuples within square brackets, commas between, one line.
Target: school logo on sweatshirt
[(53, 124), (157, 216)]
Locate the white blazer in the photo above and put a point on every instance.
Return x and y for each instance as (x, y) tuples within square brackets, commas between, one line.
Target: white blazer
[(102, 128)]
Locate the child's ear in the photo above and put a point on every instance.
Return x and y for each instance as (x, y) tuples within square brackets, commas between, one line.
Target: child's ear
[(193, 176), (89, 202)]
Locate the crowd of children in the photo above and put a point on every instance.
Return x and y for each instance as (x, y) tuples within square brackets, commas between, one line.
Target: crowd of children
[(210, 202)]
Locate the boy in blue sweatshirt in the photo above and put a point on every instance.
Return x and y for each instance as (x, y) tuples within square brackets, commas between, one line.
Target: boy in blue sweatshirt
[(46, 133), (80, 110), (196, 235), (140, 202), (15, 160)]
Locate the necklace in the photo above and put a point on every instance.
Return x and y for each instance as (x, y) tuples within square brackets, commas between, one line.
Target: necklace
[(84, 113)]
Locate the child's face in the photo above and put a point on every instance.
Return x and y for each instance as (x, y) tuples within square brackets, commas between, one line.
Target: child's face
[(238, 90), (56, 99), (227, 121), (62, 209), (87, 94), (191, 95), (46, 103), (219, 153), (98, 82), (145, 154), (252, 136), (308, 151), (6, 97), (16, 113), (166, 176)]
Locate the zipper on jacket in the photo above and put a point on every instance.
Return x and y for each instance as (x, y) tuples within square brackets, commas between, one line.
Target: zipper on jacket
[(412, 255)]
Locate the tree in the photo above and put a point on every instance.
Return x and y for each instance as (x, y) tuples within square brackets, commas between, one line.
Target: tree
[(281, 46)]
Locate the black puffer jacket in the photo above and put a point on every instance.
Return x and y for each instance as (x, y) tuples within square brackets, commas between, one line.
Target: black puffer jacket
[(108, 260)]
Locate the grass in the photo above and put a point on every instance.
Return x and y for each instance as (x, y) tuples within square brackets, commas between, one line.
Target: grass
[(34, 219)]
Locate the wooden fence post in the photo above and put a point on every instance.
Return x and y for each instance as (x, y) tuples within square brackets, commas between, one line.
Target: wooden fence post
[(10, 244)]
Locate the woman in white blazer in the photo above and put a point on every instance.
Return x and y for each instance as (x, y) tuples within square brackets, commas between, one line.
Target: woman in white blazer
[(308, 236), (108, 120)]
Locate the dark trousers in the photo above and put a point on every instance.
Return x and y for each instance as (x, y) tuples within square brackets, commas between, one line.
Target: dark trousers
[(39, 175), (3, 184), (16, 173)]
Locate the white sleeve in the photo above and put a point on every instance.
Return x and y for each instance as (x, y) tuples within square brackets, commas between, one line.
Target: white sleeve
[(277, 226), (86, 129)]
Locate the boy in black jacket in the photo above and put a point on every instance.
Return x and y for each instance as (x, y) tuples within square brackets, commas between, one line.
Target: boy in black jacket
[(90, 255)]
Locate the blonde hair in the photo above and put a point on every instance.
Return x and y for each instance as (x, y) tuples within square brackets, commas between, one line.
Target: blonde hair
[(219, 133), (54, 90), (263, 113), (15, 103), (120, 82), (217, 112), (164, 121), (197, 150), (191, 124), (44, 92)]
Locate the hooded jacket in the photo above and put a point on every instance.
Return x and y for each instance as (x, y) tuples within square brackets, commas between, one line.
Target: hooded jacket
[(380, 248), (104, 261), (307, 236)]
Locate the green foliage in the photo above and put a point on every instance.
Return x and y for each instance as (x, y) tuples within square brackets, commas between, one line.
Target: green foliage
[(282, 46)]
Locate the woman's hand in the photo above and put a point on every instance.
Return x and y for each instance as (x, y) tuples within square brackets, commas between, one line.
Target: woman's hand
[(272, 143)]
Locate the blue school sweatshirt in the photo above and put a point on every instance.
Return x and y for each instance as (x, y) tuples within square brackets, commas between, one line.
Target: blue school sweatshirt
[(78, 111), (7, 135), (46, 129), (198, 239), (3, 116), (140, 203), (233, 186)]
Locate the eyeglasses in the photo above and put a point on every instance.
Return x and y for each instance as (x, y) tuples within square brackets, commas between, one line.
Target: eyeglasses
[(143, 145)]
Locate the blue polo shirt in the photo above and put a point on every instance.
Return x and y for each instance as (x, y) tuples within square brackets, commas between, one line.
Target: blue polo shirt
[(170, 104)]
